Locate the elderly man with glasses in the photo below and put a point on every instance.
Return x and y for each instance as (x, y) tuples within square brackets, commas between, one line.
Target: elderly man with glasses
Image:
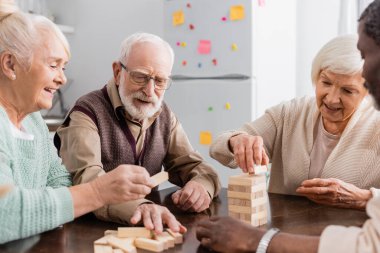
[(127, 122)]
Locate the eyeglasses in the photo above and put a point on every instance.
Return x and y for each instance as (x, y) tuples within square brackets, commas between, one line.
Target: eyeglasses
[(143, 79)]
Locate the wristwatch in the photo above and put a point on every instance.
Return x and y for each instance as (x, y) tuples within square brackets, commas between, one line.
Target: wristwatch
[(265, 240)]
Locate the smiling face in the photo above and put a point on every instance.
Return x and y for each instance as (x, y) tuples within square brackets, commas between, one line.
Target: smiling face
[(370, 52), (338, 96), (143, 101), (37, 85)]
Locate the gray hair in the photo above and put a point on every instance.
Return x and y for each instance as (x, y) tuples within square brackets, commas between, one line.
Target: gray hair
[(340, 56), (20, 33), (136, 38)]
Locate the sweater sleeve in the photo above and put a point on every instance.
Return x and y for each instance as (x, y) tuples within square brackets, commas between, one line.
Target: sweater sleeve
[(24, 211), (266, 126), (352, 239)]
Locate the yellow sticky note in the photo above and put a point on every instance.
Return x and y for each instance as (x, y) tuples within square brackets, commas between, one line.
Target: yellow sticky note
[(205, 137), (178, 18), (234, 47), (183, 44), (237, 12), (227, 106)]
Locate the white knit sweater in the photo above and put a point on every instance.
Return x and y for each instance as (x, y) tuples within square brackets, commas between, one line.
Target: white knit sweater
[(287, 130)]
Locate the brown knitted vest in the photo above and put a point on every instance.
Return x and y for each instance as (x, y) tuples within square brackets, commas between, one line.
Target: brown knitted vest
[(117, 143)]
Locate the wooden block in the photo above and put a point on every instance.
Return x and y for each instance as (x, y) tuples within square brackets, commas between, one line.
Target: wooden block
[(161, 177), (260, 169), (248, 202), (247, 188), (149, 244), (134, 232), (178, 237), (245, 179), (102, 249), (4, 189), (246, 195), (117, 251), (166, 238), (246, 209), (255, 220), (102, 241), (110, 232), (126, 246)]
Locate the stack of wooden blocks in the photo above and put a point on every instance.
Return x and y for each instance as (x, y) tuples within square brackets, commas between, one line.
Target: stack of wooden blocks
[(127, 239), (247, 197)]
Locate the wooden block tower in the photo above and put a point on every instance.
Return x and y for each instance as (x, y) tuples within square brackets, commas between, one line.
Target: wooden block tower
[(247, 198)]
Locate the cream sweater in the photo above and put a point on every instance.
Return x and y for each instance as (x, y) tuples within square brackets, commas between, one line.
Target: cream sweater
[(287, 130)]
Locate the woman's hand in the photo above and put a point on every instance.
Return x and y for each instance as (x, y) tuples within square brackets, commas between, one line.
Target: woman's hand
[(248, 151), (334, 192), (124, 183)]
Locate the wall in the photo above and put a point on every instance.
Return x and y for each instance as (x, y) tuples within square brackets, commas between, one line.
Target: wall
[(100, 27)]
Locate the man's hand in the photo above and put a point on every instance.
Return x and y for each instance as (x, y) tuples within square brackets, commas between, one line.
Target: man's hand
[(154, 216), (192, 197), (248, 151), (334, 192)]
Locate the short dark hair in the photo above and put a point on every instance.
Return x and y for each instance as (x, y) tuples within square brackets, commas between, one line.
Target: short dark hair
[(371, 18)]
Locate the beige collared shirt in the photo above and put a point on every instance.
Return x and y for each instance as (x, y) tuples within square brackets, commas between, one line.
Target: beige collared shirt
[(81, 154)]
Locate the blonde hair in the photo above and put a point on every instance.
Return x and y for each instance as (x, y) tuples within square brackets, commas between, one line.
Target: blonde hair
[(340, 56), (21, 33), (135, 38)]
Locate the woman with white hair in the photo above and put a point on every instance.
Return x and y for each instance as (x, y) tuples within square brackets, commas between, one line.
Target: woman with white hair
[(33, 55), (324, 147)]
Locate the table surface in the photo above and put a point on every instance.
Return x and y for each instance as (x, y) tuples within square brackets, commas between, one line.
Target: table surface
[(289, 213)]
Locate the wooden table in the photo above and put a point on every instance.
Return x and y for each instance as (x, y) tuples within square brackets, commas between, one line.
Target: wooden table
[(289, 213)]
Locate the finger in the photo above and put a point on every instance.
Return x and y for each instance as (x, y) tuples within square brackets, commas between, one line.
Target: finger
[(316, 182), (249, 158), (203, 231), (157, 221), (314, 190), (265, 160), (182, 229), (202, 205), (171, 221), (147, 220), (175, 197), (257, 150), (142, 179), (140, 189), (136, 217), (193, 198), (185, 195), (240, 158)]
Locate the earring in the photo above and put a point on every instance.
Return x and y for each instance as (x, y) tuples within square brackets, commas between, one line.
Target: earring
[(13, 76)]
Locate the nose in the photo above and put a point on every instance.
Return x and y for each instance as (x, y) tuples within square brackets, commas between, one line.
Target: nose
[(60, 78), (149, 88), (333, 96)]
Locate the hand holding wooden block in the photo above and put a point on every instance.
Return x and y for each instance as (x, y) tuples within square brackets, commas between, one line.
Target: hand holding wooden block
[(159, 178)]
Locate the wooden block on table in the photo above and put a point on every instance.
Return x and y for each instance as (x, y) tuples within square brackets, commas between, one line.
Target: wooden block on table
[(166, 238), (248, 188), (178, 237), (124, 245), (117, 251), (110, 232), (246, 179), (248, 202), (102, 249), (257, 220), (159, 178), (149, 244), (134, 232)]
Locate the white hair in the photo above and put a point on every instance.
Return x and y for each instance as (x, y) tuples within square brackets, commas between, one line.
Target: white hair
[(340, 56), (21, 33), (136, 38)]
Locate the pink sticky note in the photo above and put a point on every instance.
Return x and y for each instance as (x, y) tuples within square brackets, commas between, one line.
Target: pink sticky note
[(204, 46), (261, 2)]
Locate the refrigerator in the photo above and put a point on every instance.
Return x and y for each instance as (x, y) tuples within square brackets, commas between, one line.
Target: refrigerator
[(214, 86)]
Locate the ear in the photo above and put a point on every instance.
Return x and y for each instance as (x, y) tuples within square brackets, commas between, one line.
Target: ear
[(116, 72), (7, 64)]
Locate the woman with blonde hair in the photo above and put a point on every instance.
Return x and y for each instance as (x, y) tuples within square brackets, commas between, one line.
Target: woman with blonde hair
[(33, 55), (324, 147)]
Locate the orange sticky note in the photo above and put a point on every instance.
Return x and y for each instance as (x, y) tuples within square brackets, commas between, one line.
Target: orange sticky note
[(178, 18), (205, 138), (204, 46), (237, 12)]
